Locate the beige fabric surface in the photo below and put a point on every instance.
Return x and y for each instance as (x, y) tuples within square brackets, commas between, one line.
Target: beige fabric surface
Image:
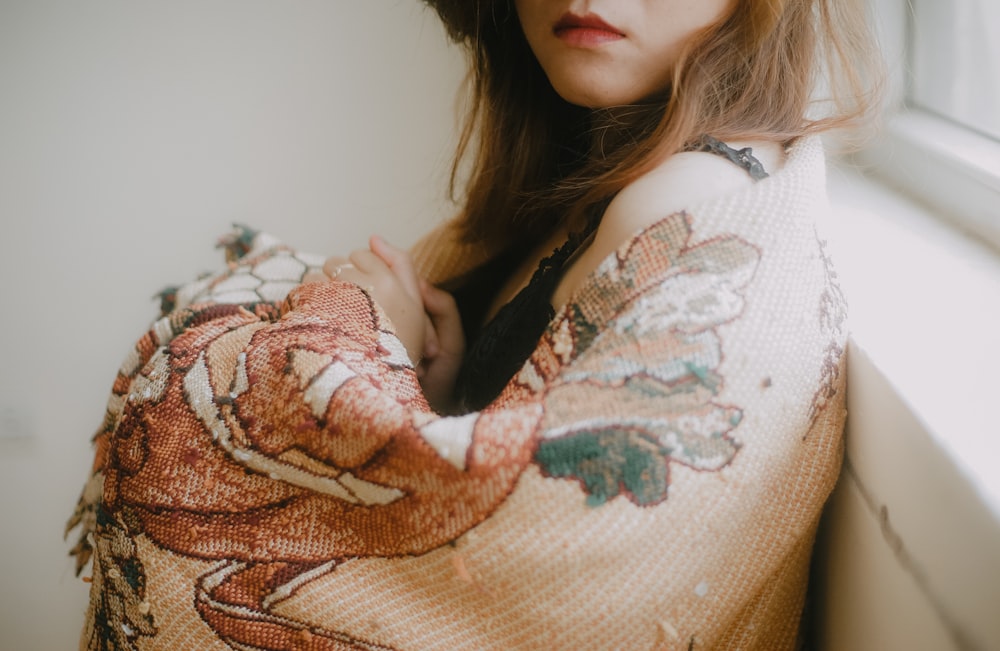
[(269, 475)]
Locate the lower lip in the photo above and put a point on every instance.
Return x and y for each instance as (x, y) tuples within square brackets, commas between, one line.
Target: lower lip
[(586, 36)]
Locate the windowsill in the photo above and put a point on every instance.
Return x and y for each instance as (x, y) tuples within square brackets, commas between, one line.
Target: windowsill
[(925, 307), (953, 170), (922, 428)]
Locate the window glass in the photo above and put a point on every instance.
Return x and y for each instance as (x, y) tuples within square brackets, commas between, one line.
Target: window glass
[(956, 61)]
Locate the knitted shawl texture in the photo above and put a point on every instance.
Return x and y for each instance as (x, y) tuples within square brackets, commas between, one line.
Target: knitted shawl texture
[(269, 475)]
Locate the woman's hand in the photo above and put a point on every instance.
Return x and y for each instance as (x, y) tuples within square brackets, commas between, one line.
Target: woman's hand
[(391, 279), (425, 318), (442, 357)]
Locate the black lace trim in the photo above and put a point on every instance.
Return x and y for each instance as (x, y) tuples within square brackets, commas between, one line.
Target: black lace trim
[(500, 348), (508, 339)]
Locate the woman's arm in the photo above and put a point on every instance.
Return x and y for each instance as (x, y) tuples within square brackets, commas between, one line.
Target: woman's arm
[(680, 182), (425, 318)]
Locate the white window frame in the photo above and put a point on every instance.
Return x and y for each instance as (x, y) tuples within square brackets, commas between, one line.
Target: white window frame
[(952, 169), (924, 302)]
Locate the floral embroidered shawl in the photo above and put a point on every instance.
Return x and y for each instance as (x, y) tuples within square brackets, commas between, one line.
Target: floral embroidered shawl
[(269, 475)]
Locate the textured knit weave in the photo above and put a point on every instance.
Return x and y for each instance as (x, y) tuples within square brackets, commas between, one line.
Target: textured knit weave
[(269, 475)]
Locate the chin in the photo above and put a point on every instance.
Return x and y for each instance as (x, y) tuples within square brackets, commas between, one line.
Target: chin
[(593, 98), (601, 91)]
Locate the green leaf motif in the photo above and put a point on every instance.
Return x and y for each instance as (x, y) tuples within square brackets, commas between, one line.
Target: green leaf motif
[(640, 390), (609, 462), (585, 331)]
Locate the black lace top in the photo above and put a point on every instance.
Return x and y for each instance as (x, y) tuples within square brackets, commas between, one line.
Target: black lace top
[(499, 348)]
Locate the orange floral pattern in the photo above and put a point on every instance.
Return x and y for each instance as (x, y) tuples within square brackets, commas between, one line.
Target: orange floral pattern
[(278, 428)]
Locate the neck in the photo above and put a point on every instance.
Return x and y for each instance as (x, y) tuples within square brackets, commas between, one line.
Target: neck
[(615, 127)]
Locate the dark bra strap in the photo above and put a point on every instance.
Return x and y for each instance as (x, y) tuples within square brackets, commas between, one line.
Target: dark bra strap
[(742, 157)]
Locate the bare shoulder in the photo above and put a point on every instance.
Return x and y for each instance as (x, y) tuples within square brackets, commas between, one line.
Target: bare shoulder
[(678, 183)]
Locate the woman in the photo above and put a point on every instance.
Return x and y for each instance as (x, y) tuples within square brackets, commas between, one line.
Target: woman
[(645, 425), (587, 139)]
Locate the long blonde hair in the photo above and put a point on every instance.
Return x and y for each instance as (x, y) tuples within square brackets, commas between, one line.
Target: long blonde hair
[(535, 162)]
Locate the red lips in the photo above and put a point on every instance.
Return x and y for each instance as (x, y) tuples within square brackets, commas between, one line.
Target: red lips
[(585, 31)]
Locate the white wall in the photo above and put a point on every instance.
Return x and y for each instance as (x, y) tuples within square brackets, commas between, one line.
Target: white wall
[(132, 132)]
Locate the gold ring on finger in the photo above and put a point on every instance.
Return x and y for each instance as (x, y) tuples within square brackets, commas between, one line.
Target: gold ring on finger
[(339, 269)]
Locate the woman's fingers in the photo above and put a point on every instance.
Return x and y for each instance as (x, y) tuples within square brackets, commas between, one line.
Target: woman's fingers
[(360, 267), (389, 275), (440, 369), (380, 261), (367, 262), (334, 266), (443, 312), (315, 277), (399, 261)]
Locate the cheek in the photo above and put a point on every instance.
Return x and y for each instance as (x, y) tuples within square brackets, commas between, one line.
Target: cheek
[(696, 13), (530, 15), (680, 23)]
